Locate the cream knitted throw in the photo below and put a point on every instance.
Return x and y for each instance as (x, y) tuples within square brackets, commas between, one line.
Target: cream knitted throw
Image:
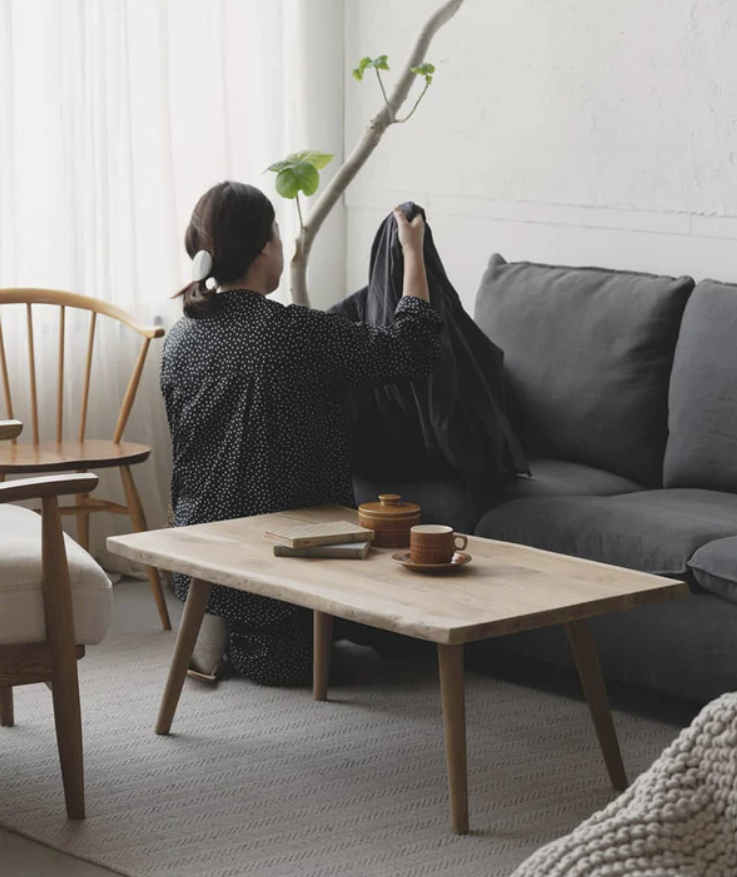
[(679, 818)]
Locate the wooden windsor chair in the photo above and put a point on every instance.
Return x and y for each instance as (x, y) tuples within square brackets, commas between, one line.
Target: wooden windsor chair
[(82, 454)]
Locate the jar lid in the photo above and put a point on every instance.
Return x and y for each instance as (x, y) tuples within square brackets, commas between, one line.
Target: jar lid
[(390, 506)]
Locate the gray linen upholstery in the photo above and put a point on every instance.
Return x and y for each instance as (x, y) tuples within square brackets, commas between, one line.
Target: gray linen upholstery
[(442, 502), (685, 648), (588, 354), (702, 446), (715, 567), (559, 478), (655, 531)]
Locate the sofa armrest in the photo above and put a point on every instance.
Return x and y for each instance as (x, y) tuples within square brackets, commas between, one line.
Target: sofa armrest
[(42, 488)]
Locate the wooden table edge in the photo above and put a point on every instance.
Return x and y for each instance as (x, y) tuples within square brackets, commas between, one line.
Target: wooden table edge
[(671, 591), (443, 635)]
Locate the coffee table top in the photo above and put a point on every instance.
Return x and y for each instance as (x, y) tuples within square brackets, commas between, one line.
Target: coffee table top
[(505, 589)]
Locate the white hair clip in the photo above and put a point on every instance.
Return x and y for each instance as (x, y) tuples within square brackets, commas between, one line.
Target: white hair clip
[(211, 284), (201, 265)]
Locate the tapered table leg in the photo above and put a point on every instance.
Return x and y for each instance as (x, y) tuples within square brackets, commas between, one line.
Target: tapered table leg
[(7, 714), (323, 637), (453, 693), (189, 628), (589, 671)]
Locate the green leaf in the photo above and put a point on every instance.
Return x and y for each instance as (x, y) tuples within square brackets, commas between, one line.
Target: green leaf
[(309, 178), (301, 177), (381, 63), (318, 160), (425, 70), (287, 184), (279, 165), (362, 65)]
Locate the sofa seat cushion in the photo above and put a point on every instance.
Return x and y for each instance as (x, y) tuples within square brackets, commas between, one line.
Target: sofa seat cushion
[(714, 566), (655, 531), (22, 617), (588, 354), (442, 501), (702, 445), (560, 478)]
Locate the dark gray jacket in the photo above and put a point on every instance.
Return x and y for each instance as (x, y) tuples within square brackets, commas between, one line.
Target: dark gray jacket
[(452, 423)]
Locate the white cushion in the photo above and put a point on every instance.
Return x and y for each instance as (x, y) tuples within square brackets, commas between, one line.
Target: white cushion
[(21, 603)]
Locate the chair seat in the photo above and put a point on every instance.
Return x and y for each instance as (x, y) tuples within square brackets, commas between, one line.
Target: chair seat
[(69, 455), (21, 604)]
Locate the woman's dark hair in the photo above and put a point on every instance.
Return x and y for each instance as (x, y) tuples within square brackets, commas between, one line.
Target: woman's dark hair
[(233, 222)]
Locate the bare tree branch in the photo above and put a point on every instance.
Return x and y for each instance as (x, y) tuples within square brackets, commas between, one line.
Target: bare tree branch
[(412, 111), (360, 154), (383, 90)]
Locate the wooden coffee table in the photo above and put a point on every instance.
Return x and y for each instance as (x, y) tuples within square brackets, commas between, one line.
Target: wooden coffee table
[(507, 588)]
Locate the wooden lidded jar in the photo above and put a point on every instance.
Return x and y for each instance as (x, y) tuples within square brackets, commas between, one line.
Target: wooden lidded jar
[(390, 518)]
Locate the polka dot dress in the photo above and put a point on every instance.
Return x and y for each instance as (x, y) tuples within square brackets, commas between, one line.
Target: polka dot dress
[(255, 396)]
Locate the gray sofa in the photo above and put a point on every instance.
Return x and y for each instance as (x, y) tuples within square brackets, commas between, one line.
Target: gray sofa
[(623, 389)]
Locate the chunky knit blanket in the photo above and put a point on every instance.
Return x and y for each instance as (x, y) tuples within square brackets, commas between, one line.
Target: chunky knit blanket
[(679, 819)]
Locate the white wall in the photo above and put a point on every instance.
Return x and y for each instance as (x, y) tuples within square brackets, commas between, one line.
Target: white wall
[(572, 132)]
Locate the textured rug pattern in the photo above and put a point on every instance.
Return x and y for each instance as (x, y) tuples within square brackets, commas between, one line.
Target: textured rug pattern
[(266, 782)]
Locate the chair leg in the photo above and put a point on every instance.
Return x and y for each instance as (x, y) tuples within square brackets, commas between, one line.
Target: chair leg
[(83, 521), (60, 633), (7, 714), (138, 519)]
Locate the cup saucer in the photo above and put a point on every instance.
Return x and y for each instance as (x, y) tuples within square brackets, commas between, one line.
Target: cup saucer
[(404, 558)]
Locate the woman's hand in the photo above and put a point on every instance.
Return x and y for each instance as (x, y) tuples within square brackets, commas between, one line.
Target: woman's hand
[(411, 235)]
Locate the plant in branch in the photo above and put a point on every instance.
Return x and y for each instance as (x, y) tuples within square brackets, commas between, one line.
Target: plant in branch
[(425, 70), (299, 172)]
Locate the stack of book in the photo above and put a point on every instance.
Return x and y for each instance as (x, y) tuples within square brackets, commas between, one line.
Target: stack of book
[(335, 539)]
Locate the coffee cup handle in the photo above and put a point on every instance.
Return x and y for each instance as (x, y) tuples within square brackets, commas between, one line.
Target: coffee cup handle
[(463, 543)]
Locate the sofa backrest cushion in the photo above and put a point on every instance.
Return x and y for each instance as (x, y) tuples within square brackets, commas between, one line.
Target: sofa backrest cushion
[(588, 354), (702, 446)]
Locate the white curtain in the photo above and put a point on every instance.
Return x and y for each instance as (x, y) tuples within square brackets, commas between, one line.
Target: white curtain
[(115, 116)]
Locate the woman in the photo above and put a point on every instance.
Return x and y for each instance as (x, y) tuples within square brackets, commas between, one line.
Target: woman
[(255, 396)]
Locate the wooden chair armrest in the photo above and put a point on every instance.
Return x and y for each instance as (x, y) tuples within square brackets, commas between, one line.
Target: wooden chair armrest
[(9, 429), (52, 485)]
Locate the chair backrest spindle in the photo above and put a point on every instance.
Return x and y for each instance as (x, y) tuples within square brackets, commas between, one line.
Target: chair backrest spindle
[(6, 379), (130, 393), (32, 373), (87, 376), (60, 396)]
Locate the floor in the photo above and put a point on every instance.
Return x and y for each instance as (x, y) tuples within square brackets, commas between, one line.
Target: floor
[(25, 858)]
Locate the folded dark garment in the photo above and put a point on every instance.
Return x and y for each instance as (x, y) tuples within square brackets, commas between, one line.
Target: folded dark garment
[(451, 423)]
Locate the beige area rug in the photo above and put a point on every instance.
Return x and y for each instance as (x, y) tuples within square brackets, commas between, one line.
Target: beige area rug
[(267, 782)]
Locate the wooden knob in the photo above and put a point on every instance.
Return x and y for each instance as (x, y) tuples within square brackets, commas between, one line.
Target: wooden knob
[(390, 498)]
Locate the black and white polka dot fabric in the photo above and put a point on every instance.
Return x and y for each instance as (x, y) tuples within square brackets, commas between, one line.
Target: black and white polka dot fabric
[(255, 398)]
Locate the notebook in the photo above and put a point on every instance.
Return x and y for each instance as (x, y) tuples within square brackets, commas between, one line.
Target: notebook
[(347, 550)]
